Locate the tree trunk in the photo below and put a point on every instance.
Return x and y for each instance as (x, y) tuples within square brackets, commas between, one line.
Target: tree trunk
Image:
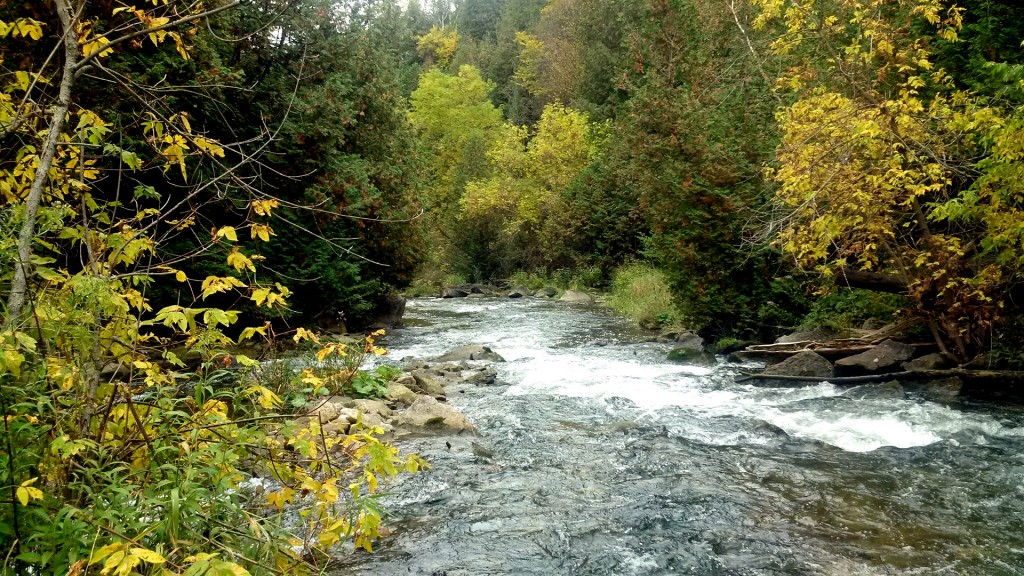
[(19, 285), (871, 281)]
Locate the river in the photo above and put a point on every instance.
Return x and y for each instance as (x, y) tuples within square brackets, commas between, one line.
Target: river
[(598, 457)]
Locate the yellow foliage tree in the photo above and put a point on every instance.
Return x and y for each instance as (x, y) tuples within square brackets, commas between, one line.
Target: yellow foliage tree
[(110, 461), (437, 46), (529, 175), (877, 150)]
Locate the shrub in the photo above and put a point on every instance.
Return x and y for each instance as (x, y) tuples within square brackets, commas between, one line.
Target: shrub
[(642, 293), (848, 308)]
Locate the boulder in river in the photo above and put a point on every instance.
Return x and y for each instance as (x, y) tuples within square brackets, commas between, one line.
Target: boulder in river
[(886, 357), (805, 363), (472, 352), (519, 292), (454, 293), (390, 311), (576, 296), (400, 393), (545, 292), (944, 391), (428, 382), (690, 356), (932, 361), (427, 412), (891, 390), (486, 376)]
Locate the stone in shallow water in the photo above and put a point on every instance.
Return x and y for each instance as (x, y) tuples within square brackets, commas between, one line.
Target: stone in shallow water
[(472, 352), (519, 292), (691, 357), (428, 412), (891, 390), (805, 363), (886, 357), (575, 296), (400, 393), (428, 382)]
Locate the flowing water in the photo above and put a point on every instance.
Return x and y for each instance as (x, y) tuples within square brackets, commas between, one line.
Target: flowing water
[(598, 457)]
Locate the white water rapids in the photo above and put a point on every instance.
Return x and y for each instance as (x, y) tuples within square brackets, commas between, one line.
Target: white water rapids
[(610, 460)]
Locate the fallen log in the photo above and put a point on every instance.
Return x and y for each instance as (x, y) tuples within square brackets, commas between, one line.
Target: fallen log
[(832, 353), (778, 355), (983, 376)]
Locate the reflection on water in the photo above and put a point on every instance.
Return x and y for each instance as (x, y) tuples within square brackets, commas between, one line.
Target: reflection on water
[(607, 460)]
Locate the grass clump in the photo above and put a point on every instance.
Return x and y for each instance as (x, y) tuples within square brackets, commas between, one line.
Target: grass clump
[(641, 293)]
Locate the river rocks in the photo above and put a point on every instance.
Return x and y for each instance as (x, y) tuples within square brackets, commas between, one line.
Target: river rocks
[(886, 357), (390, 311), (891, 390), (454, 293), (932, 361), (519, 292), (764, 428), (427, 412), (472, 352), (944, 391), (371, 407), (545, 292), (326, 409), (469, 290), (805, 363), (400, 393), (428, 382), (575, 296), (486, 376), (691, 357), (414, 402)]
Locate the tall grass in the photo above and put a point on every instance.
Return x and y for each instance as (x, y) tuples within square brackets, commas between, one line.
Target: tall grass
[(585, 278), (641, 293)]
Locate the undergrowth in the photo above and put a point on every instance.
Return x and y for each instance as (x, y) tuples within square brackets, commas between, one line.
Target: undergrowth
[(642, 293)]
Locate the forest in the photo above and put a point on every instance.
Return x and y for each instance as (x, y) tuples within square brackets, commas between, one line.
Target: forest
[(186, 180)]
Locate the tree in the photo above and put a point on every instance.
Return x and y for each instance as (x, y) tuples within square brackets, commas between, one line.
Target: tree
[(522, 199), (117, 449), (879, 165)]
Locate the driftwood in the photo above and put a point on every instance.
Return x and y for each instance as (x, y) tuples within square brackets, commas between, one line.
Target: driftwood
[(830, 352), (832, 349), (989, 376)]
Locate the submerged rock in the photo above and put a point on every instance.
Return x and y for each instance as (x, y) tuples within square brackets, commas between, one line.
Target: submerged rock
[(471, 352), (886, 357), (692, 357), (944, 391), (891, 390), (484, 377)]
